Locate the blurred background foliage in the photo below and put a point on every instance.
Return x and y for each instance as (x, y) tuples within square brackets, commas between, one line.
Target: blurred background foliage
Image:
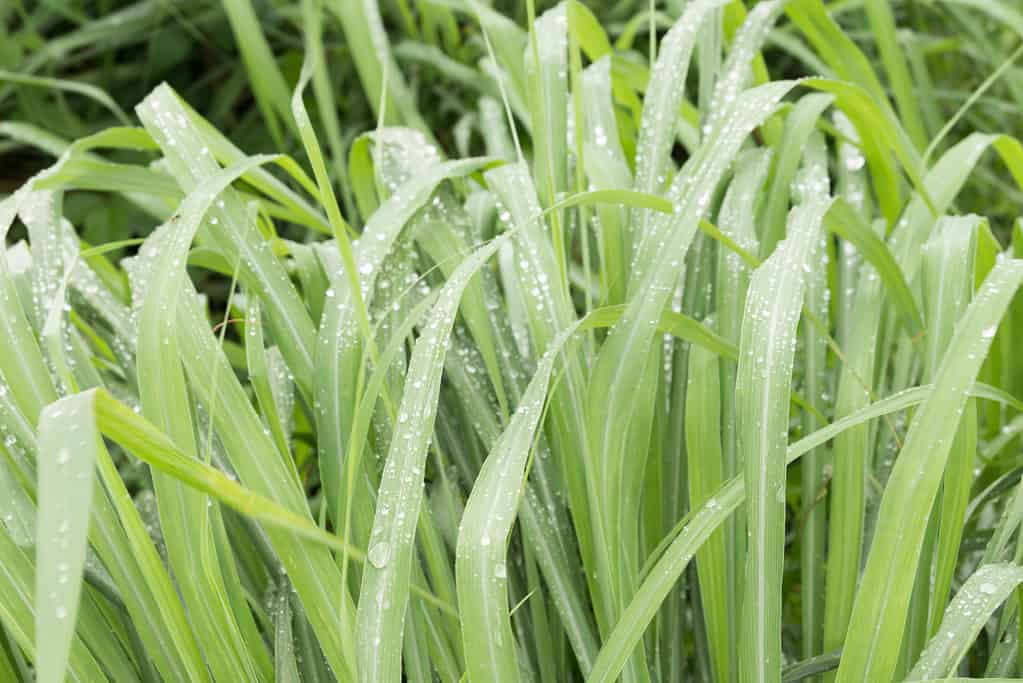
[(49, 49)]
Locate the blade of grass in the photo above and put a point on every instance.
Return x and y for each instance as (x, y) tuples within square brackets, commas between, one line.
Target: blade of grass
[(764, 375), (880, 608), (987, 588), (384, 591)]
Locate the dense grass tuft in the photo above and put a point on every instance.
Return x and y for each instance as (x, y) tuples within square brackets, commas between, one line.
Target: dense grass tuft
[(550, 343)]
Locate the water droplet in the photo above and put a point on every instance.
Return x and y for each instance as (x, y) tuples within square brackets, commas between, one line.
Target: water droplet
[(379, 554)]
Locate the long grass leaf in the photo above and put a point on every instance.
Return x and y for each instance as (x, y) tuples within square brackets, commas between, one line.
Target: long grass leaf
[(882, 601)]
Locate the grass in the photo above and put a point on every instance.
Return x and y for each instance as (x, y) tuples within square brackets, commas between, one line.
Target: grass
[(578, 342)]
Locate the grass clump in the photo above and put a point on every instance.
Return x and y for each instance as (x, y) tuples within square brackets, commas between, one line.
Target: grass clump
[(679, 359)]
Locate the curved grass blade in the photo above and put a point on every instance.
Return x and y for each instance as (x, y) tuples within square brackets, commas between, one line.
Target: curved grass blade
[(187, 521), (613, 400), (799, 124), (86, 89), (265, 77), (490, 512), (232, 232), (845, 222), (338, 353), (383, 597), (987, 588), (663, 100), (24, 368)]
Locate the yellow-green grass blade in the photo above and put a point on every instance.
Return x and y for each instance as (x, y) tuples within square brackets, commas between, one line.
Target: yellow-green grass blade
[(540, 305), (25, 373), (812, 517), (948, 281), (382, 81), (338, 352), (257, 361), (799, 124), (605, 167), (882, 21), (846, 222), (660, 107), (736, 219), (626, 353), (847, 499), (285, 664), (547, 70), (18, 613), (882, 140)]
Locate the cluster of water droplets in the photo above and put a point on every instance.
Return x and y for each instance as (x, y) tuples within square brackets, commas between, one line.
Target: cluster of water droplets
[(660, 109), (737, 68)]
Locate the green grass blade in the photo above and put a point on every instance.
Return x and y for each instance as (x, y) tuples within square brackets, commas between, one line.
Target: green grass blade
[(264, 76), (816, 388), (697, 526), (490, 512), (948, 280), (763, 383), (338, 350), (65, 502), (799, 124), (384, 593), (186, 519), (881, 603), (851, 450), (662, 103), (90, 91), (706, 474), (627, 350), (231, 231), (371, 51), (987, 588), (882, 21)]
